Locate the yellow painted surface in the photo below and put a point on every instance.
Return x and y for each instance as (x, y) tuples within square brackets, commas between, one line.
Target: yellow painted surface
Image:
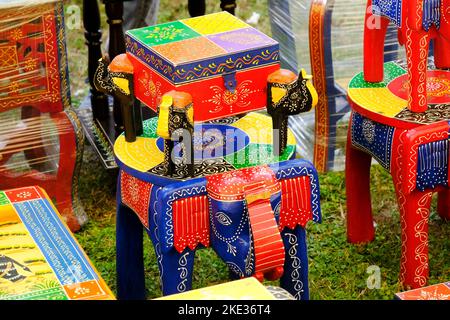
[(162, 129), (142, 155), (258, 127), (16, 243), (378, 100), (215, 23), (244, 289), (277, 94), (122, 84)]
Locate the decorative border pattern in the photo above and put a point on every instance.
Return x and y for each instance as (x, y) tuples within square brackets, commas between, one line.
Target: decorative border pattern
[(316, 45), (314, 181)]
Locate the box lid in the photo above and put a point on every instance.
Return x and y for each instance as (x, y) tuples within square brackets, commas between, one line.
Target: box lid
[(201, 47)]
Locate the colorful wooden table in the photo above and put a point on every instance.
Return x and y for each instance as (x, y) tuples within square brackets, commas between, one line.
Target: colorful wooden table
[(39, 257), (413, 147), (241, 199)]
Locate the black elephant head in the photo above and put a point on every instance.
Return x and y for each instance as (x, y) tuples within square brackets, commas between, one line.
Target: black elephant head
[(117, 80), (176, 123), (288, 95)]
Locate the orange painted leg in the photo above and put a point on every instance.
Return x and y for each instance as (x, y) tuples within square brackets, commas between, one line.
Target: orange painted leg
[(444, 204), (357, 181), (417, 43)]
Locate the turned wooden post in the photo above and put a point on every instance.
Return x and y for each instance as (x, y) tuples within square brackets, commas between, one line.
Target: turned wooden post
[(114, 12), (228, 5), (93, 35), (196, 7)]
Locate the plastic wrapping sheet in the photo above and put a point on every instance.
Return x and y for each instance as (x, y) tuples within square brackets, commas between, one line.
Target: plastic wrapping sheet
[(343, 27), (40, 140)]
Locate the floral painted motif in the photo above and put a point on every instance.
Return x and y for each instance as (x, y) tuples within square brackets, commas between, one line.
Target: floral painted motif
[(136, 196)]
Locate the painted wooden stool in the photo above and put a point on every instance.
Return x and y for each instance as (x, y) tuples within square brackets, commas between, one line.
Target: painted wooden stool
[(39, 257), (413, 147), (250, 206)]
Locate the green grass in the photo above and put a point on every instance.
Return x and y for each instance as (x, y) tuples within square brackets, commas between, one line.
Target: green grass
[(337, 269)]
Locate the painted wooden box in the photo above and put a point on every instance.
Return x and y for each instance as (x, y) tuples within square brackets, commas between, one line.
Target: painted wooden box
[(33, 59), (39, 257), (440, 291), (220, 60)]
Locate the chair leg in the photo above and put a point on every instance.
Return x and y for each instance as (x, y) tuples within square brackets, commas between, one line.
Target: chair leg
[(357, 182), (71, 151), (129, 255), (414, 215), (443, 207)]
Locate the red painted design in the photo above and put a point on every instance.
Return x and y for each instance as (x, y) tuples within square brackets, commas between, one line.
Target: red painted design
[(190, 222), (269, 247), (416, 137), (438, 87), (229, 186), (25, 53), (136, 195), (435, 292), (295, 202), (23, 194), (250, 96)]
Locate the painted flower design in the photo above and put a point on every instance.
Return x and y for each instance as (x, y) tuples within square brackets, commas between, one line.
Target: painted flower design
[(24, 195), (30, 65), (169, 32), (240, 98), (16, 34)]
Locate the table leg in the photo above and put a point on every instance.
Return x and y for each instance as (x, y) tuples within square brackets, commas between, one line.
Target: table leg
[(130, 262), (357, 182), (295, 276), (444, 204)]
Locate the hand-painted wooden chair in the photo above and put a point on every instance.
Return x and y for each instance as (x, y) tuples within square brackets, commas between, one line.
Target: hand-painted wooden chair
[(413, 147), (42, 142)]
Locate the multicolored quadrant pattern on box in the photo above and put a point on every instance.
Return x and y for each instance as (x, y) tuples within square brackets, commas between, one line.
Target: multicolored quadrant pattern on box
[(201, 47), (39, 258)]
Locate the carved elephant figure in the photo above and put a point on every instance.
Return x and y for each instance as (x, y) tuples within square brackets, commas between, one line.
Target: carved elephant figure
[(418, 22), (253, 218), (116, 79), (176, 117), (288, 95)]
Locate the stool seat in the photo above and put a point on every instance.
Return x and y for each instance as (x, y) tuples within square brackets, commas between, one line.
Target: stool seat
[(413, 147)]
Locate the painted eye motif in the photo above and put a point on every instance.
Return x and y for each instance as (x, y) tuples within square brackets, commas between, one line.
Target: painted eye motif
[(223, 219)]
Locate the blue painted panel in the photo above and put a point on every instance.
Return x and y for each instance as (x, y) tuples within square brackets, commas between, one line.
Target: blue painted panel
[(55, 242)]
